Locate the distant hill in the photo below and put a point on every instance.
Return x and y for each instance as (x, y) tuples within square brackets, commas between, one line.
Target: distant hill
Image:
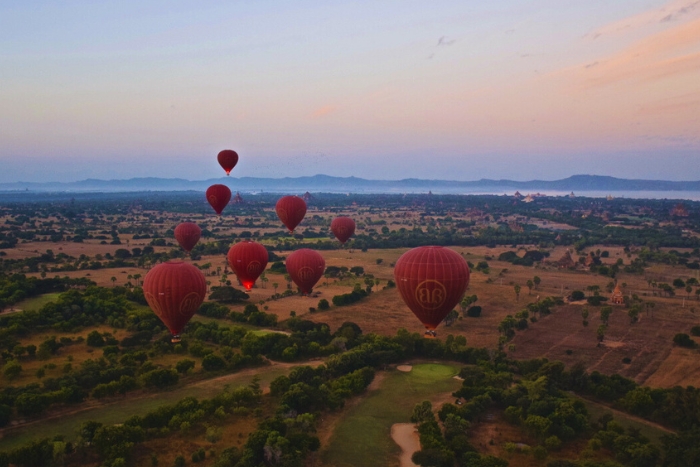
[(328, 184)]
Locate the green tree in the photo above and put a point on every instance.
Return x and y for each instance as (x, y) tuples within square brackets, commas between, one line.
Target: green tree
[(12, 369), (517, 289), (537, 281)]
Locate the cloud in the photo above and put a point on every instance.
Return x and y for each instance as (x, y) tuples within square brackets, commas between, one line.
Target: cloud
[(444, 40), (323, 111), (672, 52), (675, 10)]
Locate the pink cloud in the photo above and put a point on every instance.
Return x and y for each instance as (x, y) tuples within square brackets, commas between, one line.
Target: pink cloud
[(672, 52), (675, 10), (323, 111)]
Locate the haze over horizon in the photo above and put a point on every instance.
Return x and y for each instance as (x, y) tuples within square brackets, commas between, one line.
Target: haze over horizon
[(378, 90)]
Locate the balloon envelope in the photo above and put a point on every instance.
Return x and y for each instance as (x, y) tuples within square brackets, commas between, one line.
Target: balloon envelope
[(174, 290), (227, 160), (343, 228), (291, 210), (305, 267), (218, 196), (431, 280), (187, 235), (248, 260)]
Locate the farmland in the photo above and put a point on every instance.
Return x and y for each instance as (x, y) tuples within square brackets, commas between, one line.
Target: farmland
[(80, 343)]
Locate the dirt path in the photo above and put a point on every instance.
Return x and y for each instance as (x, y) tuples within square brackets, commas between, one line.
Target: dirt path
[(406, 436)]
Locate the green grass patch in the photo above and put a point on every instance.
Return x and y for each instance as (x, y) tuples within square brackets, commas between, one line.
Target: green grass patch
[(35, 303), (119, 410), (596, 410), (363, 435)]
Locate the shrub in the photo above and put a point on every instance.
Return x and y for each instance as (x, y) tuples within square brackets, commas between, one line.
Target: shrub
[(683, 340), (213, 363), (577, 295), (474, 311)]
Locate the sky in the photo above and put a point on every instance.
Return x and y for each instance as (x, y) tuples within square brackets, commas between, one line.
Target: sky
[(380, 89)]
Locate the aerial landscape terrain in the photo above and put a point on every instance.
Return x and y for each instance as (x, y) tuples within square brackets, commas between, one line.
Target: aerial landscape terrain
[(576, 307), (388, 233)]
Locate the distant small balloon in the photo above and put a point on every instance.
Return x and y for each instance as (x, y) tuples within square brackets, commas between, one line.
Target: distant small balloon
[(343, 228), (291, 211), (218, 196), (227, 160), (187, 235), (305, 267), (248, 260)]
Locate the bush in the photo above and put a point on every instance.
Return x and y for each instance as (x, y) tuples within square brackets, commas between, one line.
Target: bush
[(683, 340), (183, 366), (12, 369), (95, 339), (577, 295), (474, 311), (695, 330), (323, 304), (213, 363)]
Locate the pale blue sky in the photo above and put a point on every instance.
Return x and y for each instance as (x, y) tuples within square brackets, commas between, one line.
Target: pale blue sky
[(376, 89)]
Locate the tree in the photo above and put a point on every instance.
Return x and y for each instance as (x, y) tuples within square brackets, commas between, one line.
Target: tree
[(228, 294), (95, 339), (451, 318), (12, 369), (530, 285), (517, 289), (600, 333), (584, 315), (537, 281), (633, 312), (274, 286), (422, 412), (213, 363), (183, 366), (323, 304), (605, 313), (113, 279)]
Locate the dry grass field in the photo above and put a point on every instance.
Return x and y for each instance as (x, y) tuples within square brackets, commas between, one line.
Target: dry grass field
[(559, 336)]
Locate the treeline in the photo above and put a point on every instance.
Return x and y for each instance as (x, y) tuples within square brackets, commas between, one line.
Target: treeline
[(17, 287)]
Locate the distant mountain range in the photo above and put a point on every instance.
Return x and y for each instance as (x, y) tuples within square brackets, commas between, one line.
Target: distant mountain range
[(328, 184)]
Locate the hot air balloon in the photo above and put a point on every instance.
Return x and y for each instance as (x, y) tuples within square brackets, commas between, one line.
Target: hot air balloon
[(227, 160), (305, 267), (187, 235), (343, 228), (248, 260), (218, 196), (174, 290), (291, 210), (431, 280)]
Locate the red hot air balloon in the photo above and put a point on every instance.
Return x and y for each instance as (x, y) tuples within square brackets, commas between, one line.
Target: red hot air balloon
[(305, 267), (291, 210), (343, 228), (187, 235), (174, 290), (218, 196), (227, 160), (248, 260), (431, 280)]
